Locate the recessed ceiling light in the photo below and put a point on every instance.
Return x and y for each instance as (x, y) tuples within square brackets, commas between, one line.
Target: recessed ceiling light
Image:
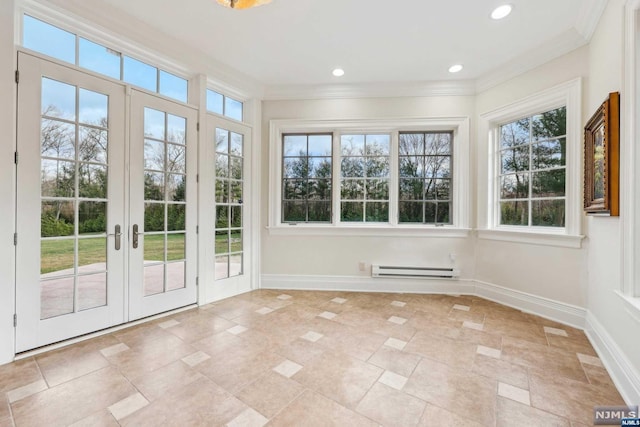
[(455, 68), (338, 72), (501, 11)]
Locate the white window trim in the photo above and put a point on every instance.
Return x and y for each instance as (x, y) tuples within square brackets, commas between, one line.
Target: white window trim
[(461, 176), (630, 160), (567, 94)]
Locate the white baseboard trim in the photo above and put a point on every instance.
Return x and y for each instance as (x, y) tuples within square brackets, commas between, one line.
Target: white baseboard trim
[(550, 309), (366, 284), (624, 375)]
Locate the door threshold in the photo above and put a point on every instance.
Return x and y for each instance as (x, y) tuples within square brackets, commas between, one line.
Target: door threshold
[(71, 341)]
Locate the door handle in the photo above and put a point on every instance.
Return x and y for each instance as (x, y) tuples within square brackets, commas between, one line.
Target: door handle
[(118, 235), (135, 236)]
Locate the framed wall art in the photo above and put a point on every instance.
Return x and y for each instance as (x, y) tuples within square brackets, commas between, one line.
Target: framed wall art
[(602, 159)]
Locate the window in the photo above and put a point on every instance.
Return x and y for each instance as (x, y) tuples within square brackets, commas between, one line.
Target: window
[(223, 105), (532, 167), (425, 177), (47, 39), (307, 178), (52, 41), (364, 183), (370, 177), (533, 186)]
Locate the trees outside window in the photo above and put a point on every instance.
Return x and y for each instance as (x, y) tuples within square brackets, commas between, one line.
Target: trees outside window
[(532, 170), (307, 177), (364, 183), (425, 177)]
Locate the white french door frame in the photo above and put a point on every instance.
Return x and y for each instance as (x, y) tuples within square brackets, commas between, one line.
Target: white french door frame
[(141, 306), (122, 306), (218, 289), (31, 331)]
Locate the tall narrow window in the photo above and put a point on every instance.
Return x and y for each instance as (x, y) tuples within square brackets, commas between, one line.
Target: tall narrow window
[(364, 184), (532, 170), (425, 177), (306, 183)]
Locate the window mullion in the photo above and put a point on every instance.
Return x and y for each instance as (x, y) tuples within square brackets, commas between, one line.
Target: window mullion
[(394, 179), (530, 224), (336, 159)]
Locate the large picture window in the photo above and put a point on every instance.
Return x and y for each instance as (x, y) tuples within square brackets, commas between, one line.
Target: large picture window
[(370, 177), (532, 170)]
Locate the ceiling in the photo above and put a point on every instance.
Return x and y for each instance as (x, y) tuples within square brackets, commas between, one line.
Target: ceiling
[(299, 42)]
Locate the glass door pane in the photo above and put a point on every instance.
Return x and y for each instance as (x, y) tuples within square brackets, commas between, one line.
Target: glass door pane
[(74, 137), (164, 201), (229, 184)]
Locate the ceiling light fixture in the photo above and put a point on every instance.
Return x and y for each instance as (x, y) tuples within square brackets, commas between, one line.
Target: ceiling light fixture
[(242, 4), (338, 72), (501, 12), (455, 68)]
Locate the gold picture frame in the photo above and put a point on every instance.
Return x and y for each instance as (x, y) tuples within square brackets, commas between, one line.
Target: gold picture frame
[(602, 159)]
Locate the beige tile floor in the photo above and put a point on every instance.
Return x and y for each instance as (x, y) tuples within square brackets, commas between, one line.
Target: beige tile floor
[(294, 358)]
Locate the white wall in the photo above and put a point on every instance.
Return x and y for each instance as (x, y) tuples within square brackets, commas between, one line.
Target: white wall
[(340, 255), (7, 183), (550, 272), (604, 246)]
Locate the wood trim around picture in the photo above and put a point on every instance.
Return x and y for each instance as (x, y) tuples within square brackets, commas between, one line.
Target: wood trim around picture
[(602, 159)]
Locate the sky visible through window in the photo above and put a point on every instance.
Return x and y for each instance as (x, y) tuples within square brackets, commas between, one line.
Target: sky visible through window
[(60, 44), (57, 43)]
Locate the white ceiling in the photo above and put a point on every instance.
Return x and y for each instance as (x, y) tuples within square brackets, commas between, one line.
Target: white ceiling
[(299, 42)]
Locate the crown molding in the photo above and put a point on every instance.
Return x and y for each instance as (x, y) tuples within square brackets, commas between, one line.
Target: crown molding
[(589, 17), (107, 24), (370, 90), (548, 51)]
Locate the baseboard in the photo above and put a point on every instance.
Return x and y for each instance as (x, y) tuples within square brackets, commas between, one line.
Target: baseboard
[(566, 314), (366, 284), (622, 372), (554, 310)]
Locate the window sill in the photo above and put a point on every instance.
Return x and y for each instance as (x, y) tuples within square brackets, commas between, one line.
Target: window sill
[(368, 231), (631, 305), (533, 238)]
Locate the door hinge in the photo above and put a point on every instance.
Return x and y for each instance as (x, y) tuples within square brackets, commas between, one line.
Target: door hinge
[(17, 76), (15, 320), (197, 229), (197, 177), (197, 281), (198, 126), (15, 239), (15, 157)]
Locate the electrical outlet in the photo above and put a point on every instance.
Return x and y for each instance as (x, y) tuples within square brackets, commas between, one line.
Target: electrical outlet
[(452, 257), (362, 265)]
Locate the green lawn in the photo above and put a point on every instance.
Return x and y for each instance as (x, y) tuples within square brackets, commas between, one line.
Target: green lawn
[(58, 255)]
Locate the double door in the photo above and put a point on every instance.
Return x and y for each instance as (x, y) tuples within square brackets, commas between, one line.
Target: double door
[(106, 204)]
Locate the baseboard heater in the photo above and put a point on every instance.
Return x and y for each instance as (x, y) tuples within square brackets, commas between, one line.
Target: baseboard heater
[(413, 272)]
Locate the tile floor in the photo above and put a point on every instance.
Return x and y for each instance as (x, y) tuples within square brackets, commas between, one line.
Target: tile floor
[(286, 358)]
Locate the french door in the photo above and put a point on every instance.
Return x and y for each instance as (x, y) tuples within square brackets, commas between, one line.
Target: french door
[(104, 227), (163, 216), (226, 168)]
